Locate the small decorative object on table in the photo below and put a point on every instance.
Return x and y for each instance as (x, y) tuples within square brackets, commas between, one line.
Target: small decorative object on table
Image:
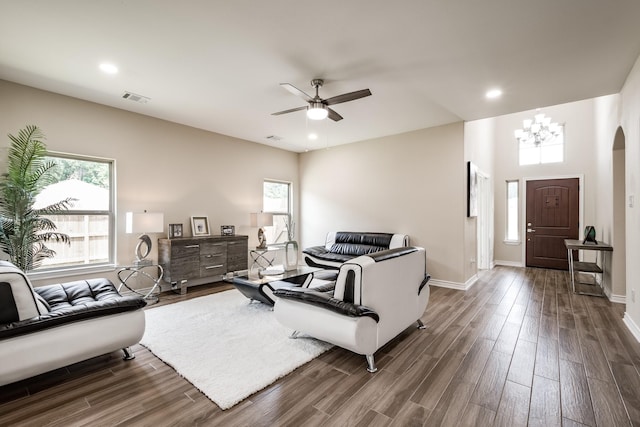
[(227, 230), (260, 220), (590, 235), (175, 230), (291, 246), (200, 226), (144, 222)]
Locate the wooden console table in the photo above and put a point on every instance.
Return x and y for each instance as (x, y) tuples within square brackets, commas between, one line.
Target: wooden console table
[(587, 267), (189, 261)]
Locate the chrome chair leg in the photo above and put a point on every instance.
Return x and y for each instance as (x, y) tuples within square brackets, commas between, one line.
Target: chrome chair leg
[(371, 364), (128, 354)]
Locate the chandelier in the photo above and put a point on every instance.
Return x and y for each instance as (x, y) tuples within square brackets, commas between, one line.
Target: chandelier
[(538, 131)]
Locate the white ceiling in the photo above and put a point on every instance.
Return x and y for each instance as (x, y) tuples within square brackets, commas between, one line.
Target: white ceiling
[(217, 64)]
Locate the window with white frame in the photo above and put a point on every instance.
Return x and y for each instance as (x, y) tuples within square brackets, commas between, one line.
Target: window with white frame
[(89, 222), (277, 200), (512, 232), (551, 151)]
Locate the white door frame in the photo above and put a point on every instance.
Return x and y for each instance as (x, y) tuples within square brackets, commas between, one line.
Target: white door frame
[(484, 223)]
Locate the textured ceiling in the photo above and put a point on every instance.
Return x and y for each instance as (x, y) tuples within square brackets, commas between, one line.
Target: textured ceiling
[(217, 65)]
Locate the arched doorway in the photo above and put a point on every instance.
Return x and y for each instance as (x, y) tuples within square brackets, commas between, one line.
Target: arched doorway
[(619, 255)]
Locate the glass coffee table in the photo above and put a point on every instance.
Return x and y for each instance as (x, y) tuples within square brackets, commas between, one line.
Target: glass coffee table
[(259, 287)]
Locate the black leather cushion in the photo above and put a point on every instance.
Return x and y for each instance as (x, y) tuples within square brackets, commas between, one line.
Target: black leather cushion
[(349, 245), (382, 240), (392, 253), (322, 253), (8, 309), (324, 300), (355, 250), (77, 293), (72, 302)]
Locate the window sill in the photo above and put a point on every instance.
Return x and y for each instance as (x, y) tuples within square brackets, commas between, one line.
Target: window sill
[(70, 271), (512, 242)]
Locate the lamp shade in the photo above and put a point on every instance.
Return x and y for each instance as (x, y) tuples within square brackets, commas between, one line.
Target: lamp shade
[(144, 222), (261, 219)]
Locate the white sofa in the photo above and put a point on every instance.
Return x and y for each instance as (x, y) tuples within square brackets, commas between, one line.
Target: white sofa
[(53, 326), (376, 297)]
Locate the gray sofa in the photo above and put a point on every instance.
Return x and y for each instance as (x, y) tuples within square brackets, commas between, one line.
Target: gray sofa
[(342, 246), (53, 326)]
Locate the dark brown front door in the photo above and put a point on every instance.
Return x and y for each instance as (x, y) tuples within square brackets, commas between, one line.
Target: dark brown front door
[(552, 216)]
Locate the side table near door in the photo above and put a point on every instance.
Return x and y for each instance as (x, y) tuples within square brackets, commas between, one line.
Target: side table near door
[(596, 268)]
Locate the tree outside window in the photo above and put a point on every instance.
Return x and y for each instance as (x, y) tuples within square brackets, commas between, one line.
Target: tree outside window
[(89, 222), (277, 200)]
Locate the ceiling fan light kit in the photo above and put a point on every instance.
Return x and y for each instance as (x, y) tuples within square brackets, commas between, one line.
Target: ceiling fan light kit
[(317, 111), (318, 108)]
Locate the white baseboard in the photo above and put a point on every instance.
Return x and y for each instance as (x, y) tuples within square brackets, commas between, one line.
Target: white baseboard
[(455, 285), (618, 299), (632, 326), (508, 263)]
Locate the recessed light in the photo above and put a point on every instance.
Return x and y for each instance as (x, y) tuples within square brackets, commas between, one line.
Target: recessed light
[(493, 93), (108, 68), (313, 136)]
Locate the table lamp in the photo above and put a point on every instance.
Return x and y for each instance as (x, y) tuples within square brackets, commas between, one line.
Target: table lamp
[(144, 222), (261, 220)]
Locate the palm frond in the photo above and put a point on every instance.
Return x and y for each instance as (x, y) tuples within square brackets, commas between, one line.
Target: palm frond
[(57, 207), (23, 229)]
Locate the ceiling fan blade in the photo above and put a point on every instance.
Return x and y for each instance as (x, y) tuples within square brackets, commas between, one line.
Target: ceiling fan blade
[(345, 97), (294, 90), (334, 116), (289, 111)]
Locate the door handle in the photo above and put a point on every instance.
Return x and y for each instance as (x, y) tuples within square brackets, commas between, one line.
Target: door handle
[(530, 230)]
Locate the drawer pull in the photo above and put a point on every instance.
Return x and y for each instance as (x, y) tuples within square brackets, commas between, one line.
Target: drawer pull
[(214, 266), (192, 246)]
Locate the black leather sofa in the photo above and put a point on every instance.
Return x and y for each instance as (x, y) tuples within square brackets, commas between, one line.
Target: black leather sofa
[(48, 327), (342, 246)]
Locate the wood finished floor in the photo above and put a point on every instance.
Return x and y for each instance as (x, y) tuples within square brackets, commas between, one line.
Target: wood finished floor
[(516, 349)]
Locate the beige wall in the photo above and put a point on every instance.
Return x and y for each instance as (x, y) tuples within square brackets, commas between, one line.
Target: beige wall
[(629, 120), (412, 183), (606, 123), (479, 139), (160, 166)]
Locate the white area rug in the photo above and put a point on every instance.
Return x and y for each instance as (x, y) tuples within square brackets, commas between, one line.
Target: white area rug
[(225, 346)]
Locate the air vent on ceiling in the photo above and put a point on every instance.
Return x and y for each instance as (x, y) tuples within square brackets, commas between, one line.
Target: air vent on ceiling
[(274, 138), (136, 98)]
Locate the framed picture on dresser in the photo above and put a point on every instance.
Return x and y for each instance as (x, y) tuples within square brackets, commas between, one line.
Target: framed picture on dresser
[(200, 226), (175, 230), (227, 230)]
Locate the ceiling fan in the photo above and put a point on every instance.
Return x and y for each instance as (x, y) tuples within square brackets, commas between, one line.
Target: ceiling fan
[(318, 108)]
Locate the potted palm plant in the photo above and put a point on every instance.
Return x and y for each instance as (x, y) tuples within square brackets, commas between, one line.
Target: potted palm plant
[(24, 229)]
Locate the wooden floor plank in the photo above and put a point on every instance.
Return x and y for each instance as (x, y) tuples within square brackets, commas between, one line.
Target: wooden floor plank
[(547, 359), (523, 363), (491, 382), (544, 408), (574, 392), (514, 406), (518, 347), (628, 383), (607, 404)]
